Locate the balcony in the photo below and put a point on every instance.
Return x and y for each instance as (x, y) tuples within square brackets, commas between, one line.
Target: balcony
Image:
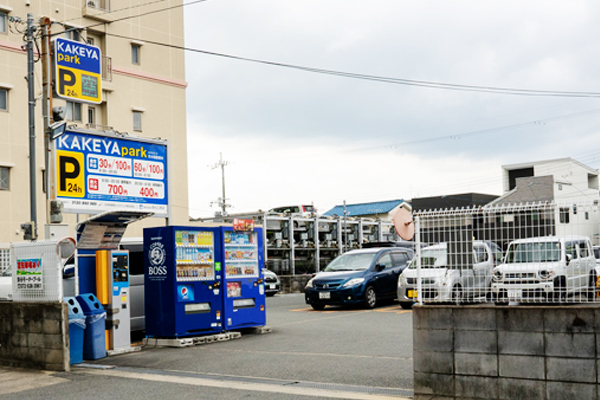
[(98, 10)]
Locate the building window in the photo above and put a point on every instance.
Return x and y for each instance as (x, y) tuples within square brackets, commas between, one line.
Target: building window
[(137, 121), (4, 178), (3, 21), (564, 215), (3, 99), (73, 34), (136, 50), (73, 111), (91, 115)]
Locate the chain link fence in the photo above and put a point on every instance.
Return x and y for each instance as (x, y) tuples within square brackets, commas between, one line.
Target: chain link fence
[(504, 253)]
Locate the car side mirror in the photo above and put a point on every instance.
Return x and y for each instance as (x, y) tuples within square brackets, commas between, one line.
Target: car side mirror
[(569, 258), (379, 267)]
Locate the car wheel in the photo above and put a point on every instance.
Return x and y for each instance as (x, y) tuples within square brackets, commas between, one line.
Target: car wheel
[(370, 297), (560, 291), (591, 292), (457, 295), (270, 294), (318, 307), (406, 306), (500, 299)]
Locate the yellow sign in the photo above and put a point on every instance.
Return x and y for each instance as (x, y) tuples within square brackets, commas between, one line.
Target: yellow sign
[(70, 174)]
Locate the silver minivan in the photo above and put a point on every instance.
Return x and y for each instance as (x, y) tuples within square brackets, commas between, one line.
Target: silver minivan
[(545, 268), (441, 282)]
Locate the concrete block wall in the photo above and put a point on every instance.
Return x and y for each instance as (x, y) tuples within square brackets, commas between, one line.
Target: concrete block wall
[(488, 352), (34, 336), (293, 283)]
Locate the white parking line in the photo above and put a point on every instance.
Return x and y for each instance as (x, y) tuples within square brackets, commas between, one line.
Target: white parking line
[(240, 385)]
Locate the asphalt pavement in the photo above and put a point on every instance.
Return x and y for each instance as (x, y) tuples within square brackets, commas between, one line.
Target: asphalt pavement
[(347, 353)]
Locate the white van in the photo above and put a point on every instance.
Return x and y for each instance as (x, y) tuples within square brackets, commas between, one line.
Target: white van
[(442, 283), (546, 268)]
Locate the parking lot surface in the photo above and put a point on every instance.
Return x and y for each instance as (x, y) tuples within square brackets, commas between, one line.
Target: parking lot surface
[(335, 353)]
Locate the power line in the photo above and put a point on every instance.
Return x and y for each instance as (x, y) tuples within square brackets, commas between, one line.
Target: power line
[(375, 78), (397, 81)]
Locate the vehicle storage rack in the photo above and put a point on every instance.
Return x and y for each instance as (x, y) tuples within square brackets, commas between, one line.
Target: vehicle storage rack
[(296, 244)]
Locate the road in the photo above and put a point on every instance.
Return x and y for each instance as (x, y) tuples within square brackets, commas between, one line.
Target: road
[(336, 353)]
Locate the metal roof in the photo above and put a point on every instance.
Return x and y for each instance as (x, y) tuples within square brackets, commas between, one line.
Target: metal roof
[(353, 210)]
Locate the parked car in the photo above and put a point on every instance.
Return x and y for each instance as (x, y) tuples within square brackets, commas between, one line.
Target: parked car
[(548, 268), (597, 269), (305, 210), (6, 284), (440, 282), (272, 284), (406, 244), (358, 277)]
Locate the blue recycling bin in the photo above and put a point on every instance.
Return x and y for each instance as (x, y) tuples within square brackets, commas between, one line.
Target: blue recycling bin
[(94, 339), (76, 329)]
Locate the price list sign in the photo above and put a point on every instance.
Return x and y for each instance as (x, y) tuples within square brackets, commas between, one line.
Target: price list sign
[(96, 173)]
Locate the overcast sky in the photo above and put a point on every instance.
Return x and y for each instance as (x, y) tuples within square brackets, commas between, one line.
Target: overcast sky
[(292, 136)]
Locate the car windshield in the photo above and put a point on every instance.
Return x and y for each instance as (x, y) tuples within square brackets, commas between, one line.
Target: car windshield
[(431, 258), (533, 252), (351, 262)]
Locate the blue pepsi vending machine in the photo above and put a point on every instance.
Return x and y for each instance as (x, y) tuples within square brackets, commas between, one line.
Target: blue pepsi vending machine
[(243, 283), (183, 291)]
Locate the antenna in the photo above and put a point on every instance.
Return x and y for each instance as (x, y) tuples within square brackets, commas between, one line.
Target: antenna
[(222, 201)]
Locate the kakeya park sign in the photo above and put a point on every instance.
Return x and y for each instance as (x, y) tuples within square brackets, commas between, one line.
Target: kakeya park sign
[(78, 71)]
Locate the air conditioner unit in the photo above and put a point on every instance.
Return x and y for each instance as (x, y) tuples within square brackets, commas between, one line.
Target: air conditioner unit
[(93, 3)]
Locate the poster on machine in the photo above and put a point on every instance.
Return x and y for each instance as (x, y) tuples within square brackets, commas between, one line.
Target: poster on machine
[(101, 172)]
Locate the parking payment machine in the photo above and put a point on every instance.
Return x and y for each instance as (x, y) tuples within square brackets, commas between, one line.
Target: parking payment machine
[(103, 270), (112, 280)]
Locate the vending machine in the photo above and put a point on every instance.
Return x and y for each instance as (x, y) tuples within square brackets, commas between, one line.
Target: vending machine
[(202, 280), (243, 282), (182, 294)]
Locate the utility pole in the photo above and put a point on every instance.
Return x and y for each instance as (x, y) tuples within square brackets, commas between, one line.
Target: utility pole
[(30, 84), (222, 202), (345, 225)]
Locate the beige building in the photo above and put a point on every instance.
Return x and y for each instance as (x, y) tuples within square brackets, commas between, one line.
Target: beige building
[(143, 94)]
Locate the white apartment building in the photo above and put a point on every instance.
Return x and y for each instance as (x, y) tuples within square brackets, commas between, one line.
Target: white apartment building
[(143, 94), (571, 185)]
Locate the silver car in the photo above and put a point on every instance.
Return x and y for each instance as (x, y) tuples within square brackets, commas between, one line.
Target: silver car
[(272, 283), (441, 282), (6, 285)]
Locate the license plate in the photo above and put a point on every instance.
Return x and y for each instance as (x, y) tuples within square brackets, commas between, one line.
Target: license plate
[(514, 294), (324, 295), (271, 286), (412, 294)]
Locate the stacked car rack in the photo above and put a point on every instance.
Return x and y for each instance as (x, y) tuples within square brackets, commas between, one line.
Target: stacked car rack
[(297, 244)]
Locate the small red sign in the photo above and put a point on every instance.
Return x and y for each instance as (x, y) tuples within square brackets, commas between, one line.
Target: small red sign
[(243, 225)]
